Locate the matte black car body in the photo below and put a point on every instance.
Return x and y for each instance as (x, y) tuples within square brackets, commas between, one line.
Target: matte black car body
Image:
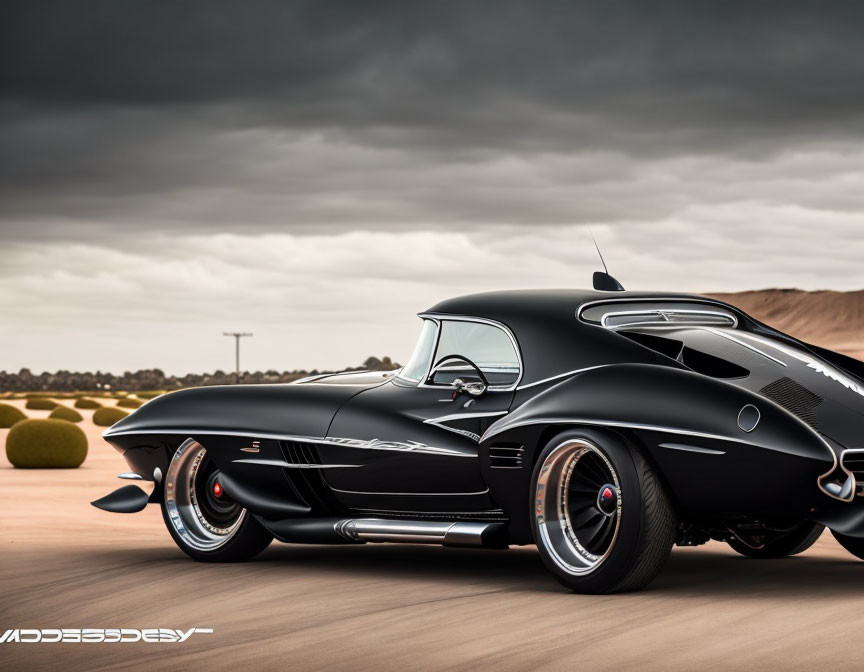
[(745, 425)]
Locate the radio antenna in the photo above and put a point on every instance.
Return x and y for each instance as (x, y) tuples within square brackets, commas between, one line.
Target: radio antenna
[(602, 280), (599, 253)]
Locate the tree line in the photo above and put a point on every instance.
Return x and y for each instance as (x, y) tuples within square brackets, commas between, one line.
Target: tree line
[(155, 379)]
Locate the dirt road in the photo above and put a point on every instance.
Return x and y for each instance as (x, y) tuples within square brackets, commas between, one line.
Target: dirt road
[(64, 564)]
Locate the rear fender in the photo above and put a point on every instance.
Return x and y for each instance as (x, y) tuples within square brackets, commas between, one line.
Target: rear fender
[(689, 425)]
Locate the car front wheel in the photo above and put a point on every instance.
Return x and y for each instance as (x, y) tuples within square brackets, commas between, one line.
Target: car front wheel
[(203, 520), (602, 520)]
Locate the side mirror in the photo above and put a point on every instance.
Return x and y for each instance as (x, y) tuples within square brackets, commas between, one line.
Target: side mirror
[(474, 388)]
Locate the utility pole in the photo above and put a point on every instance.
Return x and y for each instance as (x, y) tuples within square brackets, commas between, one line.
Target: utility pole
[(237, 336)]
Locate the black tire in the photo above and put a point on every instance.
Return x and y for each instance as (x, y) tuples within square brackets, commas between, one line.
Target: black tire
[(854, 545), (207, 529), (644, 520), (795, 542)]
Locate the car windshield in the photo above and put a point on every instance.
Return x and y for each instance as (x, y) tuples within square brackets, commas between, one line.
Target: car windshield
[(418, 363)]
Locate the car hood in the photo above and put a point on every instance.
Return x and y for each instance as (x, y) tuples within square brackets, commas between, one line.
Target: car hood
[(295, 410)]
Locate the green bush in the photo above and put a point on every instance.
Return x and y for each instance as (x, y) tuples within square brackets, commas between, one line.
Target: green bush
[(65, 413), (46, 444), (149, 395), (84, 402), (129, 403), (9, 415), (105, 417), (40, 404)]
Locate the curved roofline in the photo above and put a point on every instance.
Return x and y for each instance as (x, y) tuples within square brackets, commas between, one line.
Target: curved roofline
[(498, 303)]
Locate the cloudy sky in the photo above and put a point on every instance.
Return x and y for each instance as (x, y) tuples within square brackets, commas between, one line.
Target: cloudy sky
[(318, 172)]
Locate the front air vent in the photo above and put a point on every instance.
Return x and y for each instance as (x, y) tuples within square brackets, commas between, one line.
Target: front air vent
[(506, 455), (308, 484), (795, 398)]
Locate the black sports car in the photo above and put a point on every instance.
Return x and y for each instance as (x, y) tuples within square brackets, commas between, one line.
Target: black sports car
[(604, 426)]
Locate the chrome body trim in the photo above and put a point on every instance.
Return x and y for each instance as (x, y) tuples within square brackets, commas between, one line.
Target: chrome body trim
[(412, 494), (744, 344), (692, 449), (130, 476), (363, 444), (562, 375), (665, 314), (474, 436), (397, 446), (461, 416), (320, 376), (614, 423), (849, 471), (295, 465), (696, 300)]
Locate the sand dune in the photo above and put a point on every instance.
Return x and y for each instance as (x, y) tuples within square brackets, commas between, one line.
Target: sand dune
[(829, 319)]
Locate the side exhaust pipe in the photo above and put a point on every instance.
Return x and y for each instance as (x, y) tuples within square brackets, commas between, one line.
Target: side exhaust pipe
[(362, 530)]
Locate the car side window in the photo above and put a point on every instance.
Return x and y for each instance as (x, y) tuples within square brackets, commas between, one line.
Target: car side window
[(487, 346)]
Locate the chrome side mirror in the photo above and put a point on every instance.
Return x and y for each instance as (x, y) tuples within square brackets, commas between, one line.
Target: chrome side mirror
[(474, 388)]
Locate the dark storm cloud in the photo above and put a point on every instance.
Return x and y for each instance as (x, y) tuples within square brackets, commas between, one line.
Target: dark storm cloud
[(316, 172), (136, 111), (437, 68)]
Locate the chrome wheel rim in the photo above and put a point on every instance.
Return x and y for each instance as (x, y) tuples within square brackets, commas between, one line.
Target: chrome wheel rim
[(578, 506), (194, 509)]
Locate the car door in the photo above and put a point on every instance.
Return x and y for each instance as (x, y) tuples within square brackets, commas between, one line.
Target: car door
[(415, 438)]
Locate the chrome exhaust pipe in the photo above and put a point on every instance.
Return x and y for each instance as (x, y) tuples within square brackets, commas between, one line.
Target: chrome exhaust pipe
[(362, 530), (422, 532)]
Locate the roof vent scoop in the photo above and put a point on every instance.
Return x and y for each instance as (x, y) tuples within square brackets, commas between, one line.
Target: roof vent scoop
[(603, 282), (606, 283)]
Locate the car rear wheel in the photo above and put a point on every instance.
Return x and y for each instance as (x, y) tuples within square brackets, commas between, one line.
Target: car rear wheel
[(203, 520), (791, 543), (602, 520), (854, 545)]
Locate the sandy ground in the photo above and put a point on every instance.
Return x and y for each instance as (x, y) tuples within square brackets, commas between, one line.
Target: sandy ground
[(392, 607)]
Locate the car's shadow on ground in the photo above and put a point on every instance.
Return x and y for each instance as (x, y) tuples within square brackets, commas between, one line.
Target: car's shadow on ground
[(687, 573)]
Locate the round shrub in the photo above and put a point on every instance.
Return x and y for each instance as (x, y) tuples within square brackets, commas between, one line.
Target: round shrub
[(46, 444), (84, 402), (65, 413), (129, 403), (40, 404), (149, 395), (105, 417), (9, 415)]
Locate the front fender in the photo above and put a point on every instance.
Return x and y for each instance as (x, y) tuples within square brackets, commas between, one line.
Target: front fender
[(688, 423)]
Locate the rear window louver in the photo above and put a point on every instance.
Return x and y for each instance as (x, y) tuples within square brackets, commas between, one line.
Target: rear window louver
[(795, 398), (695, 360)]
